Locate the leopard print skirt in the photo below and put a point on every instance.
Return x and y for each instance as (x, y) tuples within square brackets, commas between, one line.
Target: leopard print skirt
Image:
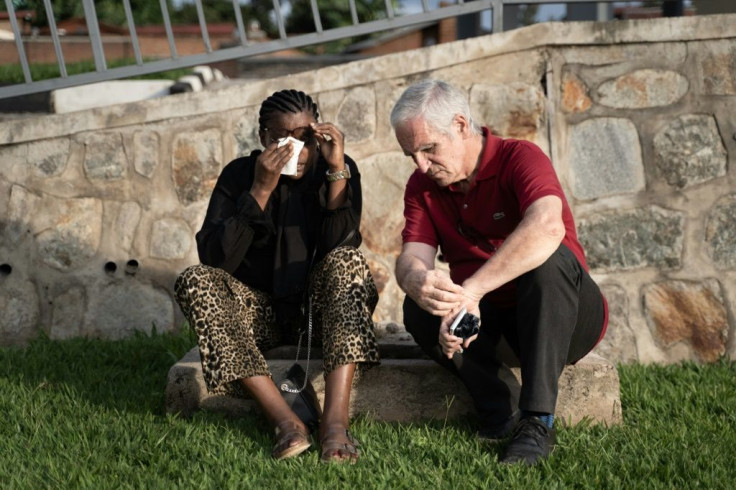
[(235, 324)]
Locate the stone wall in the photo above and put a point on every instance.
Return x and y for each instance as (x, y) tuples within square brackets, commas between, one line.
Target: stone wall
[(100, 207)]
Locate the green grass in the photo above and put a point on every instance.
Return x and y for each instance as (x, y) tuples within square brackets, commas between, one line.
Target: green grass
[(90, 414), (13, 73)]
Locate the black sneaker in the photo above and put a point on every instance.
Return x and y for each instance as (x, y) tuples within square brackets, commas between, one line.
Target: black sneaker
[(493, 432), (532, 441)]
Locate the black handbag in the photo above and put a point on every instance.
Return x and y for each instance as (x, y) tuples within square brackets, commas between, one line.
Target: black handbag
[(296, 388), (299, 394)]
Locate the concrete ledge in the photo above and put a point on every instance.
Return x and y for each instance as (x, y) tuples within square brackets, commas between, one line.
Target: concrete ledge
[(409, 390)]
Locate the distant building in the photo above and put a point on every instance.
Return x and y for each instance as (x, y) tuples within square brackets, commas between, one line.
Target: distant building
[(23, 19), (406, 38), (639, 12)]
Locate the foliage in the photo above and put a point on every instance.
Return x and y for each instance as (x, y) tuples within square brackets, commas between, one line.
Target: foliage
[(333, 13), (10, 74), (90, 414), (108, 11), (528, 14)]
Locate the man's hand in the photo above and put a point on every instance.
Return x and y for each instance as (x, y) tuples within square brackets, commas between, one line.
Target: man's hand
[(433, 291), (450, 343)]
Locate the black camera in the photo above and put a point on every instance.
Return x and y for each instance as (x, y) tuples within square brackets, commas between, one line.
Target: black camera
[(465, 325)]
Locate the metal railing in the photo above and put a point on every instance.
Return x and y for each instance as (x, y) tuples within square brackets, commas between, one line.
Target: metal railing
[(246, 47)]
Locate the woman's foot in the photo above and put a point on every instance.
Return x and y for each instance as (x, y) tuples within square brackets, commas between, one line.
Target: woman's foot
[(292, 439), (338, 445)]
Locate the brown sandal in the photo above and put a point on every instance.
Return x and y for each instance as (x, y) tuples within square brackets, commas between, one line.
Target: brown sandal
[(334, 449), (291, 440)]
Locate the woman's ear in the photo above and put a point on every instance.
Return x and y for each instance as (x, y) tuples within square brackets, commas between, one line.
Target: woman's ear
[(262, 135)]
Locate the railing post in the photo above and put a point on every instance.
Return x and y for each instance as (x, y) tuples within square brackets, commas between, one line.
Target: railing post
[(239, 21), (353, 12), (133, 34), (18, 41), (315, 15), (93, 29), (167, 26), (203, 26), (55, 38), (279, 19), (497, 16), (389, 9)]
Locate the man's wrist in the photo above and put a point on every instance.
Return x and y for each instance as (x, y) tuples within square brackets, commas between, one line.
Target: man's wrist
[(473, 290)]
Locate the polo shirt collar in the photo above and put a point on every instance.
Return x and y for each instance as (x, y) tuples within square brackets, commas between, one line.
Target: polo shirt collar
[(489, 164)]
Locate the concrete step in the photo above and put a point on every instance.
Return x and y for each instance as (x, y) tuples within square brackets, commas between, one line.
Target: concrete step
[(409, 390)]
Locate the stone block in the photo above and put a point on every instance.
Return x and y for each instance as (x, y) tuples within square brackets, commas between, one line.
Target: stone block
[(20, 308), (145, 152), (692, 313), (384, 176), (357, 114), (117, 309), (633, 239), (171, 239), (245, 132), (574, 94), (512, 110), (48, 157), (720, 232), (67, 315), (605, 158), (717, 67), (104, 157), (409, 390), (690, 151), (619, 343), (195, 164), (643, 88), (126, 224), (66, 231)]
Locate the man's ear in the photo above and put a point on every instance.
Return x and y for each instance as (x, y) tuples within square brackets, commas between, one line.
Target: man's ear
[(462, 125)]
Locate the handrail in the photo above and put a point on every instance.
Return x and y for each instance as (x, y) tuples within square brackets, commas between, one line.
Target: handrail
[(246, 48)]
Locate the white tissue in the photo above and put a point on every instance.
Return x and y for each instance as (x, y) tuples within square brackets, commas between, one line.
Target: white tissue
[(290, 167)]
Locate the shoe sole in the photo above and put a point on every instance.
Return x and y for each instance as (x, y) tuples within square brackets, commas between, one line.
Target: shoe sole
[(294, 450)]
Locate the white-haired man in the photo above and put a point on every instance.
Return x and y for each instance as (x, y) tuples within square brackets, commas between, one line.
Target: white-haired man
[(496, 211)]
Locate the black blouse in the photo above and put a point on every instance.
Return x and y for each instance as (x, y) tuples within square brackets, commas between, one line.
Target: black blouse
[(273, 250)]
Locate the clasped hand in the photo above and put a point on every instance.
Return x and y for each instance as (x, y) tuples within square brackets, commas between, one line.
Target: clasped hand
[(435, 292)]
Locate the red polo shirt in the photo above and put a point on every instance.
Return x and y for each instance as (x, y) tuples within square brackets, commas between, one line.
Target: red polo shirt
[(468, 228)]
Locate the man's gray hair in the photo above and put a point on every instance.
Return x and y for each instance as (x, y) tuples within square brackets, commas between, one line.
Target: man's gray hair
[(436, 102)]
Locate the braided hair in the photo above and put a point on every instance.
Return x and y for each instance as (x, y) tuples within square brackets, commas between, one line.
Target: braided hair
[(294, 101)]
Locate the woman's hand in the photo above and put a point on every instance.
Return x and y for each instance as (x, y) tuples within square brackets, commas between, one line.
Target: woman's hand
[(331, 144), (268, 170)]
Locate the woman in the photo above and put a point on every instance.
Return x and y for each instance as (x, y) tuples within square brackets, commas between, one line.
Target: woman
[(270, 246)]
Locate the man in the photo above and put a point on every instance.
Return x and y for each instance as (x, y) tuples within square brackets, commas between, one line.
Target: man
[(496, 210)]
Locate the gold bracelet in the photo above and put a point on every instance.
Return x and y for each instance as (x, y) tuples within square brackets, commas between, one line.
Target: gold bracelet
[(340, 174)]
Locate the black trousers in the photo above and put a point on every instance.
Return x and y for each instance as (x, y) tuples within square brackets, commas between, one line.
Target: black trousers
[(557, 320)]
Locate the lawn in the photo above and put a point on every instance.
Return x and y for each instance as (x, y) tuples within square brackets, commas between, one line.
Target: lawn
[(90, 414)]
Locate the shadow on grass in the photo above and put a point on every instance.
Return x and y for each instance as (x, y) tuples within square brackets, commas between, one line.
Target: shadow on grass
[(120, 377), (128, 375)]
